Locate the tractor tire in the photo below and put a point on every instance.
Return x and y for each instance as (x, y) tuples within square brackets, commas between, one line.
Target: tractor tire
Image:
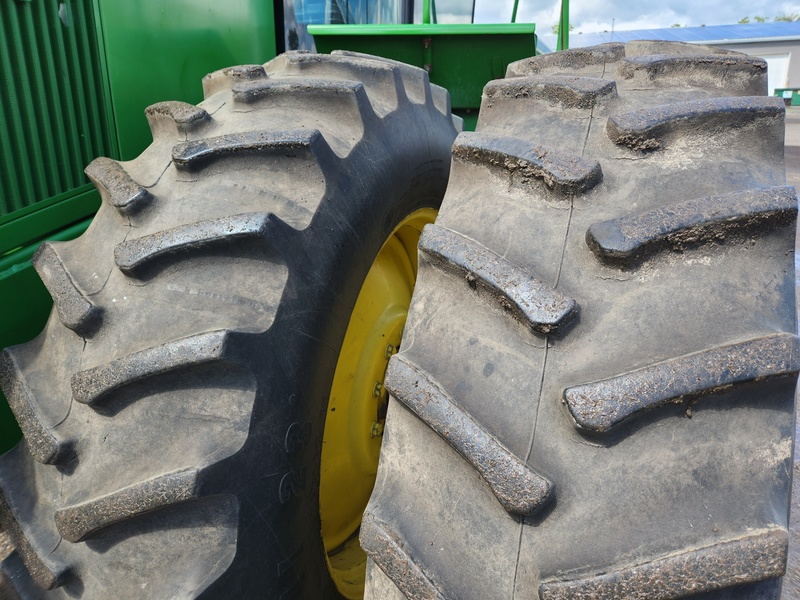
[(595, 394), (173, 408)]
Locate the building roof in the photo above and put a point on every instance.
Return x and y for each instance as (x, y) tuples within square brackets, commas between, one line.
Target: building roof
[(712, 34)]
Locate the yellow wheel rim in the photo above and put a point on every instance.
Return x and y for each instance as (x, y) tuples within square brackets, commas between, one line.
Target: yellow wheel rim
[(357, 405)]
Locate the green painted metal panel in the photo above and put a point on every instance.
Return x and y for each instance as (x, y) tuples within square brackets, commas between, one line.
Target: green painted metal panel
[(461, 58), (52, 121), (158, 50)]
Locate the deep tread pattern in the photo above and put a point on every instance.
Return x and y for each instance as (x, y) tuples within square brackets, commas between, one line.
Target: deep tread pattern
[(602, 405), (663, 412), (568, 60), (74, 308), (184, 117), (198, 154), (117, 187), (739, 75), (389, 552), (44, 445), (520, 489), (564, 173), (134, 255), (562, 90), (526, 297), (753, 557), (645, 129), (636, 48), (225, 78), (79, 521), (255, 91), (92, 386), (45, 572), (627, 241)]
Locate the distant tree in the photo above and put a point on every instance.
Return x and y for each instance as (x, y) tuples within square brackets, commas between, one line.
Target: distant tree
[(788, 17), (554, 28), (744, 21), (758, 19), (676, 25)]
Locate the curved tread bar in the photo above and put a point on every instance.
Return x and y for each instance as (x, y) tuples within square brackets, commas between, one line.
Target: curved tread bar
[(44, 445), (559, 171), (79, 521), (385, 547), (564, 90), (628, 240), (186, 117), (249, 92), (602, 405), (197, 154), (636, 48), (644, 129), (750, 558), (116, 186), (45, 572), (737, 74), (133, 255), (73, 306), (520, 489), (225, 78), (525, 296), (91, 386), (567, 60)]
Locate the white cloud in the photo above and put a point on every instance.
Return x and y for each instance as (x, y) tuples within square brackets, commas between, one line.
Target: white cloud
[(596, 15)]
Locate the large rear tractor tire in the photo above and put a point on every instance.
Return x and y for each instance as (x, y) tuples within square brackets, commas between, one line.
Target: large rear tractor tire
[(175, 406), (595, 395)]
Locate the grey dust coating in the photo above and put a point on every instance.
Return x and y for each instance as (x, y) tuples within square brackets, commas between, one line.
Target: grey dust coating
[(93, 385), (697, 302), (602, 405), (172, 451), (519, 292), (750, 558), (629, 240), (518, 487), (117, 187), (74, 308), (131, 256)]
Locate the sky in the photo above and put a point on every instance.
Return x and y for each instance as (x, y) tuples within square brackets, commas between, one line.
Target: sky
[(596, 15)]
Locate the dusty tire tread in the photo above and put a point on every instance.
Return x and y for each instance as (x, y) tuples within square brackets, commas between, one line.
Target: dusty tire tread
[(564, 173), (521, 293), (562, 90), (750, 558), (92, 386), (73, 306), (184, 117), (389, 552), (132, 256), (602, 405), (628, 241), (736, 75), (568, 60), (45, 446), (251, 92), (645, 129), (117, 187), (77, 522), (519, 488), (223, 79), (201, 153), (45, 572)]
